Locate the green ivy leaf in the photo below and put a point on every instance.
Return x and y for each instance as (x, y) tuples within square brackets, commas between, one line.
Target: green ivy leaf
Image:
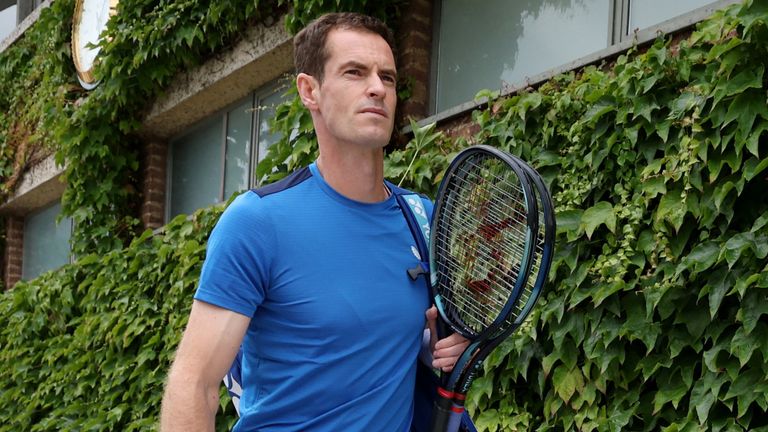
[(754, 167), (567, 382), (705, 392), (729, 86), (569, 222), (753, 306), (599, 214), (672, 209), (744, 385), (743, 345), (736, 245), (702, 257), (744, 109), (671, 390), (717, 285)]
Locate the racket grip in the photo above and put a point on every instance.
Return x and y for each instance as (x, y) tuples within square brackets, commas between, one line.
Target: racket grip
[(443, 329), (442, 413), (457, 412)]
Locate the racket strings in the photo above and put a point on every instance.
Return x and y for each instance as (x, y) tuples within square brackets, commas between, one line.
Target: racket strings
[(515, 197), (493, 303), (524, 301), (470, 232), (502, 220), (485, 232), (497, 300)]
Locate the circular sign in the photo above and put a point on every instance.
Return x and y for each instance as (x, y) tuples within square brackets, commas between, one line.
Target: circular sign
[(89, 21)]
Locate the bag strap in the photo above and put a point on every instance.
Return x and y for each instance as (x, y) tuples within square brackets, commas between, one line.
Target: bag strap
[(418, 222)]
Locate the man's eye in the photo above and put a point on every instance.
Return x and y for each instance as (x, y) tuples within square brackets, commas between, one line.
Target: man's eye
[(389, 79), (353, 72)]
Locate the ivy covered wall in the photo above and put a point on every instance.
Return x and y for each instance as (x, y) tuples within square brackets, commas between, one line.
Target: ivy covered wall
[(655, 314)]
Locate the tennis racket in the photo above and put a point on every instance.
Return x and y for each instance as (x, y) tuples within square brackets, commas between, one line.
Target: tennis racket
[(490, 251)]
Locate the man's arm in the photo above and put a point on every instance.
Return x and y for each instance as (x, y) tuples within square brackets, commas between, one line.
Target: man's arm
[(207, 349)]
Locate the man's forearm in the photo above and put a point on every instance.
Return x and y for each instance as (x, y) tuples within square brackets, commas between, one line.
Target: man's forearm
[(188, 408)]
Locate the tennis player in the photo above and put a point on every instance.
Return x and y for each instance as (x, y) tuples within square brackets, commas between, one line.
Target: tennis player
[(309, 273)]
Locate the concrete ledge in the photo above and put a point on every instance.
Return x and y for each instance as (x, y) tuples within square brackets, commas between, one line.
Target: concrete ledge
[(40, 186), (264, 53), (23, 26)]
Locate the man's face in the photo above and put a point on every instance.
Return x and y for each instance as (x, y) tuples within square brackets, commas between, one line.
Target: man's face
[(357, 98)]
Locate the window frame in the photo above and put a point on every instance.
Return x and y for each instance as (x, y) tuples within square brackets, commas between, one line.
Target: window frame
[(261, 94), (255, 98)]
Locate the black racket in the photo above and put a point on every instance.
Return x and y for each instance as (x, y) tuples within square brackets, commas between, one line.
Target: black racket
[(490, 251)]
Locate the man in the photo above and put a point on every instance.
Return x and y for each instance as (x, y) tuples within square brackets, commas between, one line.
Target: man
[(309, 273)]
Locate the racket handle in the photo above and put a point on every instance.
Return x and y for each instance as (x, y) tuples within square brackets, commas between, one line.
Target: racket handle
[(442, 413), (443, 329), (457, 412)]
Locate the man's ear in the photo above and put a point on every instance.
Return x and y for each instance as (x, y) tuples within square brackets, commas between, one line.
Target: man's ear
[(307, 86)]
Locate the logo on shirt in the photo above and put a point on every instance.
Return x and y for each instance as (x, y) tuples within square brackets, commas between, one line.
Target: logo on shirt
[(416, 252)]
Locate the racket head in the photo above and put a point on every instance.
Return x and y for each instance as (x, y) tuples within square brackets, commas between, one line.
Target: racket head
[(540, 264), (482, 241)]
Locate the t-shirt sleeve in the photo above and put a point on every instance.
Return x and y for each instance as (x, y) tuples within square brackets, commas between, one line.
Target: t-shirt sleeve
[(235, 273)]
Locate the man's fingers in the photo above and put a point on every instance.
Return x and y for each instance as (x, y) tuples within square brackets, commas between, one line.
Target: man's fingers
[(454, 341), (447, 351), (432, 326), (444, 364), (432, 313)]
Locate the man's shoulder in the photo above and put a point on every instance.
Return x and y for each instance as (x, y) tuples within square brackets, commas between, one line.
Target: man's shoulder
[(276, 198), (292, 180), (259, 202)]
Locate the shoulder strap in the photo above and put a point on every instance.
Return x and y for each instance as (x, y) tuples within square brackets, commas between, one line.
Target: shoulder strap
[(419, 213), (416, 216)]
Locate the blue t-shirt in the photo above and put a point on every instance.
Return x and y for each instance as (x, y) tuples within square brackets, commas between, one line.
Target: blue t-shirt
[(336, 323)]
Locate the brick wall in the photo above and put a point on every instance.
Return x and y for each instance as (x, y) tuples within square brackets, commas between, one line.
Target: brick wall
[(13, 253), (415, 46), (154, 166)]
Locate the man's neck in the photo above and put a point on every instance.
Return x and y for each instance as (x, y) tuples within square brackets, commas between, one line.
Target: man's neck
[(357, 174)]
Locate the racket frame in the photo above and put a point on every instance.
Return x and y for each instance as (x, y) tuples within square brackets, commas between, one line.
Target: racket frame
[(445, 198), (547, 227), (538, 203)]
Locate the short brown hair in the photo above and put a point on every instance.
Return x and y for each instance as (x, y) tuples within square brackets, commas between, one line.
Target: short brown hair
[(309, 50)]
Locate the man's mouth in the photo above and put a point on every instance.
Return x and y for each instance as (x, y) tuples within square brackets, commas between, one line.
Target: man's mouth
[(374, 110)]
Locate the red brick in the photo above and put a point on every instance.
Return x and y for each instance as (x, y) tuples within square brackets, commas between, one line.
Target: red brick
[(153, 183), (13, 253)]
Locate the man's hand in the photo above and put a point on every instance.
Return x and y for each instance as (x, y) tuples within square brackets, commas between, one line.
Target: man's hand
[(446, 351)]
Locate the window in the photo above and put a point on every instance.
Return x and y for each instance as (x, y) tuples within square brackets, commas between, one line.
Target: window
[(46, 243), (217, 159), (12, 12), (493, 44), (510, 41), (646, 13), (7, 19)]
